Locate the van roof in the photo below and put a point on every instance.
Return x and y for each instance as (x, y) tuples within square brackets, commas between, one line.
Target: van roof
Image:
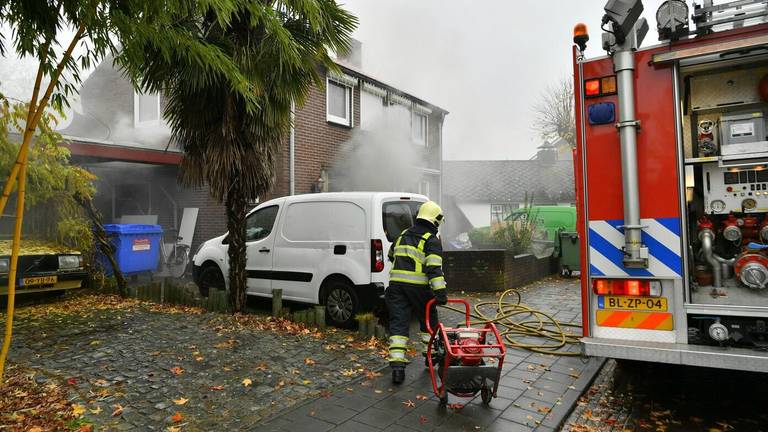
[(351, 195)]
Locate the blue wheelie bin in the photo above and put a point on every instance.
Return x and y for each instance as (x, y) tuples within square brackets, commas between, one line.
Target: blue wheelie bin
[(137, 247)]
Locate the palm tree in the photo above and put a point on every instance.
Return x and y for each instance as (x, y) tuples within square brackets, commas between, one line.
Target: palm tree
[(231, 139)]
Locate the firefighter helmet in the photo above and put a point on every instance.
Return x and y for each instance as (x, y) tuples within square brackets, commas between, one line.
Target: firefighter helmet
[(431, 212)]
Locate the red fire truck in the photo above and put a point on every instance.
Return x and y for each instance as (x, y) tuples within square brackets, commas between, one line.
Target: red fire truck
[(672, 183)]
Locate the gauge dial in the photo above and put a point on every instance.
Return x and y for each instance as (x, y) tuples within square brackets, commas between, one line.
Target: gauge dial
[(717, 206), (749, 204)]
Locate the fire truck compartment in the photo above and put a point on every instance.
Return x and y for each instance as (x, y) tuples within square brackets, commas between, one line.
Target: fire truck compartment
[(723, 110)]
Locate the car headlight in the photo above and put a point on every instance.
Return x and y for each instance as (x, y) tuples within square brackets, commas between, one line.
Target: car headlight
[(4, 263), (70, 262)]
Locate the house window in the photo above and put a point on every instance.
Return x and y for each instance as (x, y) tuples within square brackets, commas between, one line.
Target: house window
[(500, 212), (497, 213), (419, 128), (146, 108), (339, 103)]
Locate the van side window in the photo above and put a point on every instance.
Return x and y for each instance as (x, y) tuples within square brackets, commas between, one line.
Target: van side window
[(259, 224), (399, 216)]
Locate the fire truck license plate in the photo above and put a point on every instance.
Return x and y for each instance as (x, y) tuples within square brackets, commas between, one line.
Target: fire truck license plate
[(632, 303), (40, 280)]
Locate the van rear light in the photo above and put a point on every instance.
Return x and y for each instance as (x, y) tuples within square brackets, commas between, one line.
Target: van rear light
[(627, 287), (377, 256)]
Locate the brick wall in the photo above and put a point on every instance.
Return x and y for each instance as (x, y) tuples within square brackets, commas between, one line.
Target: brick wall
[(211, 218), (493, 270), (317, 142)]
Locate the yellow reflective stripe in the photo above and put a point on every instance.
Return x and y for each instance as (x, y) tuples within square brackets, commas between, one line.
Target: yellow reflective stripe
[(400, 339), (425, 338), (408, 277), (397, 357), (410, 252), (437, 283), (434, 260)]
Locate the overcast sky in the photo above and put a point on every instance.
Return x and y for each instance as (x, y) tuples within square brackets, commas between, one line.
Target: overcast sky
[(485, 61)]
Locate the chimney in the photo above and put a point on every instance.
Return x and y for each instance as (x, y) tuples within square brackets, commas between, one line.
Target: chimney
[(354, 57)]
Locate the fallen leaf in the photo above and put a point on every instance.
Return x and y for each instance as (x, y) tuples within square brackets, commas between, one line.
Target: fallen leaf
[(306, 382), (217, 387), (35, 429), (177, 370), (173, 429), (95, 342), (199, 358), (544, 410), (456, 406), (96, 411), (78, 410), (177, 418), (180, 401), (409, 403), (118, 410), (72, 381), (86, 428), (247, 382), (421, 397), (348, 372), (309, 362), (377, 391), (423, 420)]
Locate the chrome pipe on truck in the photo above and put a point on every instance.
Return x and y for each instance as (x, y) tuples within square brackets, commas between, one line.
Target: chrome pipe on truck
[(621, 42)]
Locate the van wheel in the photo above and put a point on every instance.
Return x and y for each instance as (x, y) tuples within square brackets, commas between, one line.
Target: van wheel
[(210, 277), (341, 303)]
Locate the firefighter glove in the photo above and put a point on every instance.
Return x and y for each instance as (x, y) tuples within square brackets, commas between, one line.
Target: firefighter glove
[(441, 297)]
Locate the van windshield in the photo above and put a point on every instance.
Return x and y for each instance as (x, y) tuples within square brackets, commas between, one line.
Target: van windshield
[(399, 216)]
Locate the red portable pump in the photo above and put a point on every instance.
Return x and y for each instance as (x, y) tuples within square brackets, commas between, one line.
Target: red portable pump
[(463, 361)]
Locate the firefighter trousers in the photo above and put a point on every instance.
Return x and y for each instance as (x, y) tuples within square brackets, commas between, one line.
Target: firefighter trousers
[(402, 300)]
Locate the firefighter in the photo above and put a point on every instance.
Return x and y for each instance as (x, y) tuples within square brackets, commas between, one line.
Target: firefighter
[(416, 277)]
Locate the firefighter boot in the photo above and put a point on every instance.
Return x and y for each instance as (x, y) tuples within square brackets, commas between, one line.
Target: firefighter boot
[(398, 374)]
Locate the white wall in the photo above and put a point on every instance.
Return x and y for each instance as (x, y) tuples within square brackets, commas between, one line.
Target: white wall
[(479, 214)]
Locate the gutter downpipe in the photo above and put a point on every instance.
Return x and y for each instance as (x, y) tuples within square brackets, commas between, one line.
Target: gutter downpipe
[(292, 153), (635, 253)]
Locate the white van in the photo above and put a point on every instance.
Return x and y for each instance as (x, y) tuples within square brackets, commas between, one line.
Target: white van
[(327, 248)]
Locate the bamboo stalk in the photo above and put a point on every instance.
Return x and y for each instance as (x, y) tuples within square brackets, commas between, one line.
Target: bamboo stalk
[(13, 267)]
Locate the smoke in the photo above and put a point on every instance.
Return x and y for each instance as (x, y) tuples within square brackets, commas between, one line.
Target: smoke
[(155, 135), (379, 158)]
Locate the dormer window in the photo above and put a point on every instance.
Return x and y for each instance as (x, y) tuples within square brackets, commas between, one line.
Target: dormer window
[(146, 109)]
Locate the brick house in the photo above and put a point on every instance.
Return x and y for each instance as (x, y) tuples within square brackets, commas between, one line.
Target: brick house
[(119, 135)]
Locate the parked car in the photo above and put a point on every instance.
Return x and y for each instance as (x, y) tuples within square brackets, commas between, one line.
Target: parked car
[(326, 248), (42, 267)]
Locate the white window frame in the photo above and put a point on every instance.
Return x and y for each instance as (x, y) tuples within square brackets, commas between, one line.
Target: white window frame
[(349, 95), (422, 141), (136, 121)]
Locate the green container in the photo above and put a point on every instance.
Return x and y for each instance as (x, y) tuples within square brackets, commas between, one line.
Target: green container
[(570, 260)]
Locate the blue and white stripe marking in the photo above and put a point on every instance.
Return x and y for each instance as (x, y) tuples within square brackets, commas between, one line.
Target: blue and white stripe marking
[(662, 236)]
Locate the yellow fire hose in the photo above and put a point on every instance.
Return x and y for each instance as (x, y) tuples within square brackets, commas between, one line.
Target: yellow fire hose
[(514, 320)]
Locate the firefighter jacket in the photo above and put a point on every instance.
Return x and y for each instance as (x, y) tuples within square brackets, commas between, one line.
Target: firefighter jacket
[(417, 257)]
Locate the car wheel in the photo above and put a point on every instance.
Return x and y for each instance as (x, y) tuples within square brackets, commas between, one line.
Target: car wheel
[(341, 304), (210, 277)]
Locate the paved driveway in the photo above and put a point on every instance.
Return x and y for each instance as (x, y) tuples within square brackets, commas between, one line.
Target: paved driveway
[(218, 372), (537, 390)]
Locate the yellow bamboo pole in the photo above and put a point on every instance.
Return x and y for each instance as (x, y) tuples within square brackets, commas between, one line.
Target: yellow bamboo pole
[(8, 188), (14, 263), (29, 130)]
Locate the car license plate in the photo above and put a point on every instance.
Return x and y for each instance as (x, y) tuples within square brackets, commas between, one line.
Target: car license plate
[(39, 280), (632, 303)]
